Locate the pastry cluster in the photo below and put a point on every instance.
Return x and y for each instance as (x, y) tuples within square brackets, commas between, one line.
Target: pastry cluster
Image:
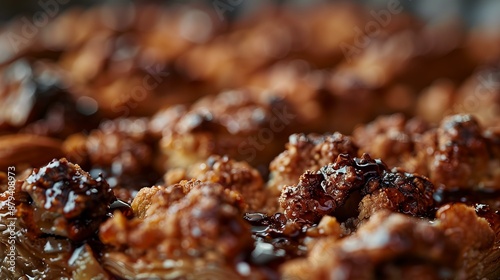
[(151, 142)]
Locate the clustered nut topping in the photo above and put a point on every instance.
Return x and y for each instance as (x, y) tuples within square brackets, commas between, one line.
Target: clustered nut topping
[(161, 142)]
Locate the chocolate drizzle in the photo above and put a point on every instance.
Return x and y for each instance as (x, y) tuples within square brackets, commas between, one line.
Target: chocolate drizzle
[(275, 240)]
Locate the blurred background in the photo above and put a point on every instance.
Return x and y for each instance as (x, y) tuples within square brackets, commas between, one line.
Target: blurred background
[(345, 61), (471, 12), (221, 69)]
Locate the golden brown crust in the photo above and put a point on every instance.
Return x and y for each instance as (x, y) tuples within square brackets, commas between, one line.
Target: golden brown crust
[(164, 197), (377, 245), (307, 152), (203, 227), (462, 225), (205, 98), (461, 153), (233, 175), (475, 237)]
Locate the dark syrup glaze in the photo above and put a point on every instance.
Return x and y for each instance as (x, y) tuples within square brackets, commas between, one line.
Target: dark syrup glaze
[(493, 218), (98, 248), (74, 205), (121, 206), (486, 202), (278, 239), (369, 169), (469, 197), (275, 240)]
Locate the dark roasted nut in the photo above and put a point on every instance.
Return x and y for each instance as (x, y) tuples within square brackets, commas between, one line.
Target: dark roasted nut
[(322, 193), (399, 192), (64, 201), (56, 208), (461, 157)]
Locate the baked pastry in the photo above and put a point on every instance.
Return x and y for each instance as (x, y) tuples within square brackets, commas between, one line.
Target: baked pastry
[(146, 142)]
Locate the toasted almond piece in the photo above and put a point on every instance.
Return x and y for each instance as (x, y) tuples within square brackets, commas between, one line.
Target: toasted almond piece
[(28, 149)]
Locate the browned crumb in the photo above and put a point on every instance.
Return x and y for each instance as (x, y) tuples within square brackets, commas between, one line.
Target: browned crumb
[(399, 192), (233, 175), (388, 245), (202, 228), (307, 152), (472, 235), (461, 156)]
